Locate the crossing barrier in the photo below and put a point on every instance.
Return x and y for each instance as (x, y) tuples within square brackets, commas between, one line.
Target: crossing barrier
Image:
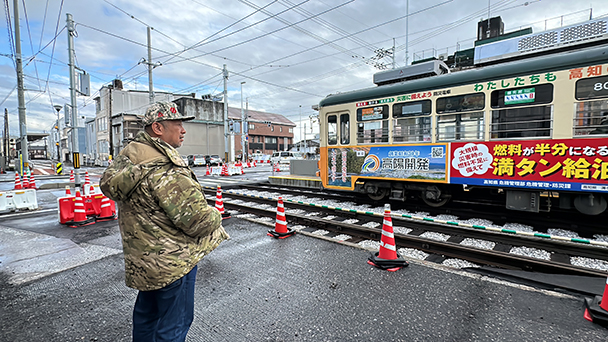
[(6, 202), (25, 199)]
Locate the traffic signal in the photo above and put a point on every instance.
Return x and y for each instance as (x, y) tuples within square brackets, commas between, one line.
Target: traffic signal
[(231, 126)]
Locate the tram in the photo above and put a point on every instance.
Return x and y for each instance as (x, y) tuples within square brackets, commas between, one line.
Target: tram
[(529, 125)]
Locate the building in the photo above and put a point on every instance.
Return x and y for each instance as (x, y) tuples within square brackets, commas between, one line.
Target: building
[(118, 115), (267, 132)]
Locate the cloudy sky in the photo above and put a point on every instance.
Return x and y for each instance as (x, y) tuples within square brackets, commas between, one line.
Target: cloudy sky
[(290, 53)]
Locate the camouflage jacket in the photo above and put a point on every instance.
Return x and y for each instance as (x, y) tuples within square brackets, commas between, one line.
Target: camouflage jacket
[(165, 222)]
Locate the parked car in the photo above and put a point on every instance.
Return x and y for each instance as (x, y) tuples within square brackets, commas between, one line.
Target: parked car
[(197, 160), (185, 159), (213, 159), (285, 157)]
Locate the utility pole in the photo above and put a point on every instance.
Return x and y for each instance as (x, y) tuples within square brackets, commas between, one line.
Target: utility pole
[(75, 148), (247, 123), (150, 66), (6, 141), (20, 90), (225, 72), (242, 126), (300, 144)]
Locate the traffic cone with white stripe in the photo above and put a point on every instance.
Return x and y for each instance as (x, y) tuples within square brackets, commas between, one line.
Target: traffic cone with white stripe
[(280, 227), (387, 257), (596, 309), (68, 192), (207, 173), (32, 182), (25, 180), (17, 182), (219, 203), (80, 214), (72, 180), (106, 213)]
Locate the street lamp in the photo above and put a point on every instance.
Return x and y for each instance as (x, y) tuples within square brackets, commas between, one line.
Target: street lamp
[(58, 109), (243, 152)]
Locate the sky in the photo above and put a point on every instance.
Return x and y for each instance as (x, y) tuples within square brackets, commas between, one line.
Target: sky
[(290, 53)]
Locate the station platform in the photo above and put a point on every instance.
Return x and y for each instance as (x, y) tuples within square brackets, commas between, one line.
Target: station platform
[(64, 284), (309, 182)]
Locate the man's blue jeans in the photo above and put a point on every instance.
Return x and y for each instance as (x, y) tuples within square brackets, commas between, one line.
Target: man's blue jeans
[(165, 314)]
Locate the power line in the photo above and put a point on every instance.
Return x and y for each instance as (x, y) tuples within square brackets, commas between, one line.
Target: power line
[(272, 32)]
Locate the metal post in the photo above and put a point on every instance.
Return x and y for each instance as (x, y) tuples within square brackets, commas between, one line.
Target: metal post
[(225, 72), (407, 19), (58, 142), (242, 126), (75, 147), (20, 89), (150, 67), (300, 144)]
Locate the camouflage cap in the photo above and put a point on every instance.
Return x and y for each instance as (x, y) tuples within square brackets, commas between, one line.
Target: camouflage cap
[(161, 111)]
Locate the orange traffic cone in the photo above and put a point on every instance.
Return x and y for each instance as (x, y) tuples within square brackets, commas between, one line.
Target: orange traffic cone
[(254, 164), (596, 309), (207, 173), (387, 258), (219, 203), (80, 214), (68, 193), (32, 182), (242, 172), (17, 182), (25, 181), (72, 177), (276, 168), (87, 180), (280, 227), (106, 210)]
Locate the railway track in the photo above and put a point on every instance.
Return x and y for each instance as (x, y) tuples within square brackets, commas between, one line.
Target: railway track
[(585, 226), (421, 234)]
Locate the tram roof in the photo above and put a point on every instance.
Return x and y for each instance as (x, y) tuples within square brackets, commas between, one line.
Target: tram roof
[(545, 63)]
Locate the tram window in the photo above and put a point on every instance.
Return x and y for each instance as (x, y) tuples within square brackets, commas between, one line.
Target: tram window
[(521, 122), (412, 121), (344, 129), (592, 88), (372, 113), (522, 96), (469, 126), (332, 129), (372, 132), (414, 108), (460, 103), (372, 126), (591, 118)]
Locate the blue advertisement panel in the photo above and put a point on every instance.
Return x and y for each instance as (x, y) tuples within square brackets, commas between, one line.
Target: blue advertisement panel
[(426, 162)]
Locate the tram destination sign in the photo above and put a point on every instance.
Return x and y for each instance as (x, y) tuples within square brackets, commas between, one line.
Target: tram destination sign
[(525, 95)]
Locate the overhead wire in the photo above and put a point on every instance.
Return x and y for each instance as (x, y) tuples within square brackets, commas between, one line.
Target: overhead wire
[(225, 28), (29, 32), (272, 32)]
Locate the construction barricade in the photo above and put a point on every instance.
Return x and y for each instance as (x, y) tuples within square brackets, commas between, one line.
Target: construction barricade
[(23, 199), (91, 208), (6, 202)]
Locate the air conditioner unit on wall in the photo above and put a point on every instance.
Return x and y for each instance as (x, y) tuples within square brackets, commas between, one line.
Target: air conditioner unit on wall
[(442, 56)]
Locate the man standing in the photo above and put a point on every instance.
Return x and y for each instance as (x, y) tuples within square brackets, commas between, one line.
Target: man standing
[(166, 225)]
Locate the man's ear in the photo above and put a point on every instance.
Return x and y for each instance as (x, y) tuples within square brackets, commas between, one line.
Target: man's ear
[(157, 128)]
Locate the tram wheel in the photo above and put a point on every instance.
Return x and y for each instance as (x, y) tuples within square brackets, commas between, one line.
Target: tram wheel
[(590, 204), (379, 195), (435, 199)]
